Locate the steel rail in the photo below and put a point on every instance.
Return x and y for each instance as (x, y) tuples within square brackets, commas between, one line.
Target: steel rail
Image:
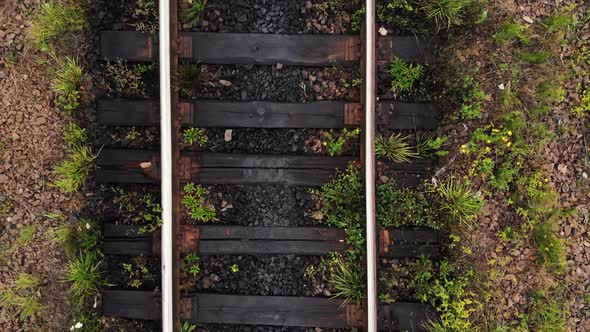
[(369, 154), (167, 259)]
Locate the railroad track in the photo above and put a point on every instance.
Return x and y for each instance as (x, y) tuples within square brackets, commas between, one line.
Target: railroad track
[(125, 166)]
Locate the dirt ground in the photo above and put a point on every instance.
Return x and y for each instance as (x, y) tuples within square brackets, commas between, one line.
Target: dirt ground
[(30, 145)]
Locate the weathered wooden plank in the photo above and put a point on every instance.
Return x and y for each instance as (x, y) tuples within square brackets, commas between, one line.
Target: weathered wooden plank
[(413, 236), (113, 230), (131, 304), (405, 316), (269, 247), (262, 114), (242, 160), (399, 116), (128, 112), (269, 49), (265, 49), (130, 246), (268, 310), (412, 251), (220, 232), (129, 45)]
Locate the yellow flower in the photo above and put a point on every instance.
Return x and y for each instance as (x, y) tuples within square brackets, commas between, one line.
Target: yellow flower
[(325, 143), (546, 180), (488, 149), (505, 139), (509, 132), (494, 130), (508, 144), (489, 141)]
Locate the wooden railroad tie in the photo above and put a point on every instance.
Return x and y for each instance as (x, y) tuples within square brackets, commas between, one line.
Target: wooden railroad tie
[(265, 49), (262, 114), (268, 310), (142, 166), (242, 240)]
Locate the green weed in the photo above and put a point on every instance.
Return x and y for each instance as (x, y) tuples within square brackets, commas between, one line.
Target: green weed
[(128, 79), (472, 99), (405, 207), (66, 83), (510, 31), (428, 146), (191, 77), (191, 264), (74, 136), (457, 202), (74, 170), (10, 58), (551, 90), (335, 142), (547, 314), (234, 268), (55, 21), (551, 249), (137, 272), (188, 327), (537, 58), (195, 11), (193, 135), (584, 104), (445, 13), (146, 14), (85, 276), (132, 134), (348, 280), (23, 294), (194, 201), (394, 148), (403, 75), (557, 22)]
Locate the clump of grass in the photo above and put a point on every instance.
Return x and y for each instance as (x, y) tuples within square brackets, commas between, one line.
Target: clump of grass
[(74, 170), (74, 135), (335, 143), (395, 148), (404, 75), (557, 22), (85, 276), (445, 13), (80, 237), (194, 201), (550, 248), (472, 99), (584, 104), (537, 58), (551, 90), (66, 83), (348, 280), (24, 238), (188, 327), (23, 294), (194, 12), (547, 314), (429, 146), (194, 135), (190, 77), (510, 31), (54, 21), (457, 202)]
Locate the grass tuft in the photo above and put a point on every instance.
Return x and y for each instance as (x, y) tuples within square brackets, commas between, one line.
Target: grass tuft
[(394, 148), (53, 21), (458, 202), (74, 135), (23, 294), (66, 83), (550, 248), (194, 12), (510, 31), (74, 170), (348, 280), (445, 13), (85, 276)]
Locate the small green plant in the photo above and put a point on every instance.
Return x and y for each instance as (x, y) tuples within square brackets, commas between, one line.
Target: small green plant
[(74, 170), (193, 135), (85, 276), (137, 272), (194, 201), (24, 294), (510, 31), (128, 79), (445, 13), (66, 83), (335, 143), (458, 202), (551, 90), (342, 204), (403, 75), (10, 58), (584, 104), (234, 268), (191, 264), (55, 21), (74, 136), (472, 99), (557, 22), (146, 15), (394, 148), (194, 12), (190, 77), (551, 249), (24, 238), (428, 146), (348, 280), (139, 209), (132, 134), (188, 327), (406, 207), (538, 57), (547, 314), (5, 207)]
